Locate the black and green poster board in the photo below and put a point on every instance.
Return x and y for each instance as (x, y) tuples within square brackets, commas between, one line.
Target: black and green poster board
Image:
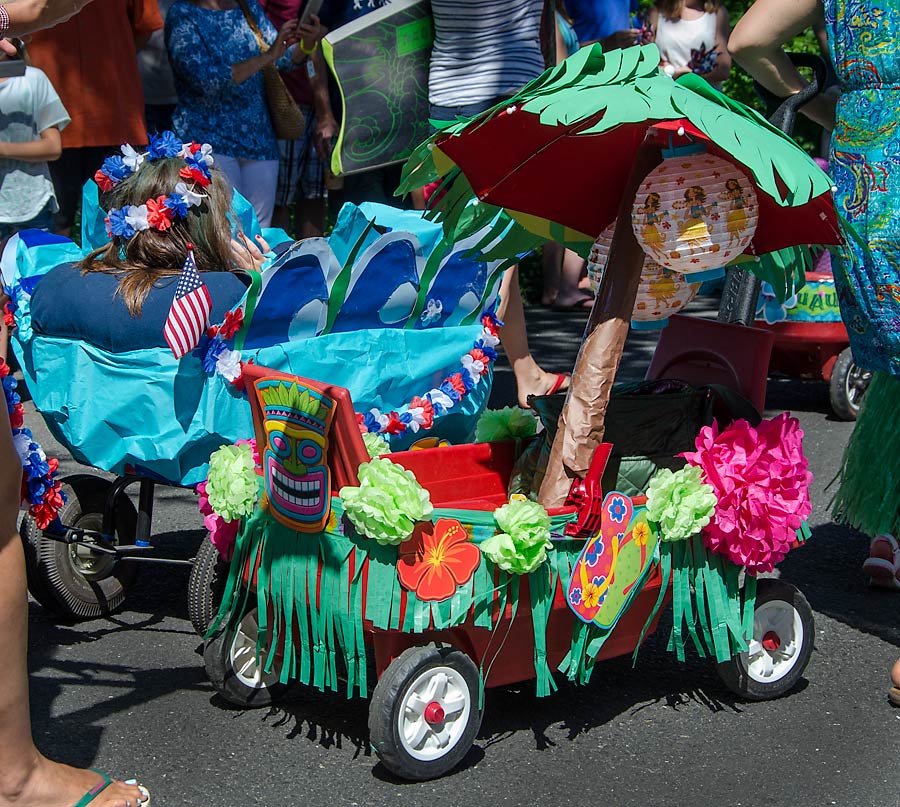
[(380, 62)]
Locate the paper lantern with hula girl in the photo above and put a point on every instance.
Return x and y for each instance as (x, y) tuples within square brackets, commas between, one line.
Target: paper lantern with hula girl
[(596, 262), (695, 212), (661, 293)]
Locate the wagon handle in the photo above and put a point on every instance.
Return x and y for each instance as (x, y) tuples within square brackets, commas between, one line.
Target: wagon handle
[(587, 495), (782, 112)]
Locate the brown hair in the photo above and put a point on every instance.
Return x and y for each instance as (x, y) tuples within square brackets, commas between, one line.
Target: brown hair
[(140, 261), (671, 9)]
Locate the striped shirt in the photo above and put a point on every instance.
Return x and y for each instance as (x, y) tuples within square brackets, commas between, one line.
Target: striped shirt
[(483, 49)]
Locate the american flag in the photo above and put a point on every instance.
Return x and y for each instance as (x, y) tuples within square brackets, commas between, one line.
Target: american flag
[(189, 314)]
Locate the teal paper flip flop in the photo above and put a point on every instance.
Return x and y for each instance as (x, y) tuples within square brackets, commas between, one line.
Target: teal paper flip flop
[(105, 782)]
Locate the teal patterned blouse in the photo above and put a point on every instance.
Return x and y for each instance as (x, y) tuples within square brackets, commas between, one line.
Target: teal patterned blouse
[(865, 164)]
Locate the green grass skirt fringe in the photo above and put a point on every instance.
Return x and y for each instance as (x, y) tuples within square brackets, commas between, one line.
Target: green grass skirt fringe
[(869, 494), (314, 594)]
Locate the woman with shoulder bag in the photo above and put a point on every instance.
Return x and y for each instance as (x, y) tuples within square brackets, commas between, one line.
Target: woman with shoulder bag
[(222, 54)]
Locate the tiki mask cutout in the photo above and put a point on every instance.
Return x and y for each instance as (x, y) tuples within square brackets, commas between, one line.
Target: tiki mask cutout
[(296, 420)]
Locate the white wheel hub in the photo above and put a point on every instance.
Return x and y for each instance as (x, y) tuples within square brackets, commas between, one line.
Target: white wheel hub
[(246, 664), (434, 711), (776, 643)]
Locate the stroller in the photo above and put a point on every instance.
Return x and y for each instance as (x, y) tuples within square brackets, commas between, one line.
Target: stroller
[(384, 306)]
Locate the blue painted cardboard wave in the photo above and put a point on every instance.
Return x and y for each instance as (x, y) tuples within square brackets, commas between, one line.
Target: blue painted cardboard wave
[(383, 307)]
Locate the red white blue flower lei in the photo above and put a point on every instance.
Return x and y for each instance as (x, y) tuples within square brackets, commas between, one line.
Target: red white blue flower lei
[(158, 213), (421, 411), (39, 485)]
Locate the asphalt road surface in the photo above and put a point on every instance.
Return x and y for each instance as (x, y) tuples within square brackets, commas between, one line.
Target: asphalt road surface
[(130, 696)]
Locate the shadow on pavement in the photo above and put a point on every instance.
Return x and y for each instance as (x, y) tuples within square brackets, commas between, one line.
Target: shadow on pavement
[(828, 570), (330, 720)]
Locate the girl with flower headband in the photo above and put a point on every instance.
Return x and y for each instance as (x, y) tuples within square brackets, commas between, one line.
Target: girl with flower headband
[(157, 203)]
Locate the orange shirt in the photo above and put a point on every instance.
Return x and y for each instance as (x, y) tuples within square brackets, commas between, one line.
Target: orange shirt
[(92, 63)]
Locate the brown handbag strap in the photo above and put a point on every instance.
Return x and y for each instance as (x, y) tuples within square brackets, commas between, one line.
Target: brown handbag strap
[(251, 21)]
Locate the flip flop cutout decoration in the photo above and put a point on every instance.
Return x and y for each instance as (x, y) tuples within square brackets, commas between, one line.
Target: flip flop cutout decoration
[(613, 563)]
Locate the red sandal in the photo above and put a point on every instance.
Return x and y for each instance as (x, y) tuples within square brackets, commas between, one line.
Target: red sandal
[(559, 382)]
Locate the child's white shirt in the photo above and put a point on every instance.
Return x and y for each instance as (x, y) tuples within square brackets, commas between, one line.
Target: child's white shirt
[(28, 105)]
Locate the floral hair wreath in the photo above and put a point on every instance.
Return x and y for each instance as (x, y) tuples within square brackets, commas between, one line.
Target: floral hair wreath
[(158, 213)]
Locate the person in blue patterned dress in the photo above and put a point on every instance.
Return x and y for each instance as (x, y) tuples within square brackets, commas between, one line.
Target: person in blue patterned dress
[(216, 62), (865, 164)]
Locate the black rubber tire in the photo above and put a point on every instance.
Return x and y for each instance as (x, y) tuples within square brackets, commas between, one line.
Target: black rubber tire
[(734, 673), (387, 700), (230, 684), (206, 586), (847, 386), (53, 578), (38, 586)]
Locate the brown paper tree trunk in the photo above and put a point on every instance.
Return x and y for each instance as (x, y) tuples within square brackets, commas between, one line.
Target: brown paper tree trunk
[(582, 421)]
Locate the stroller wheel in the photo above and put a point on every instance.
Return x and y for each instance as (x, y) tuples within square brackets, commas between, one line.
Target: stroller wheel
[(780, 647), (424, 713), (206, 585), (234, 664), (70, 579), (849, 383)]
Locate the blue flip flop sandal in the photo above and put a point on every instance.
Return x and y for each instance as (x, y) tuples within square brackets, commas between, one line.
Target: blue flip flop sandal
[(105, 782)]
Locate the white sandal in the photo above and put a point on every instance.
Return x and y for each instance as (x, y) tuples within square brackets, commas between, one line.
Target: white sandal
[(883, 563)]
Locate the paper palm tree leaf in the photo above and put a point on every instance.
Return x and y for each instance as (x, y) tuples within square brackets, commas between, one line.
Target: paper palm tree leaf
[(784, 270)]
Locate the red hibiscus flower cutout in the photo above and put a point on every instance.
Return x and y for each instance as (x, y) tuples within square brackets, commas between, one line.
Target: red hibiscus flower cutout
[(437, 559)]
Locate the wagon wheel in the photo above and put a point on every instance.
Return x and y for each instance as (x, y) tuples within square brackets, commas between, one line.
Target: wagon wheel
[(780, 647), (206, 586), (424, 713), (234, 665), (849, 383), (70, 579)]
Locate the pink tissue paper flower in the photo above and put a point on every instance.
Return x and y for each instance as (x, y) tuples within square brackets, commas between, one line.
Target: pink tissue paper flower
[(761, 479), (222, 533)]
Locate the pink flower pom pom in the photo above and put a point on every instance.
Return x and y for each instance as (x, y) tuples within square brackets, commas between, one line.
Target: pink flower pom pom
[(222, 533), (203, 503), (761, 480)]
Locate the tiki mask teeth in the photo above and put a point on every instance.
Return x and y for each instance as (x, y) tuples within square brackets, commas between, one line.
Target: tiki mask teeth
[(296, 496)]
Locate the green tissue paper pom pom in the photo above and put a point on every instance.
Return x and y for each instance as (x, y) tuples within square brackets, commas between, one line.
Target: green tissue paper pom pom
[(509, 423), (388, 502), (231, 485), (680, 502), (376, 445), (525, 538)]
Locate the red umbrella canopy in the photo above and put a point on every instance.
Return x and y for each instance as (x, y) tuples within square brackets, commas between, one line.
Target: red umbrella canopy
[(557, 156), (576, 178)]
